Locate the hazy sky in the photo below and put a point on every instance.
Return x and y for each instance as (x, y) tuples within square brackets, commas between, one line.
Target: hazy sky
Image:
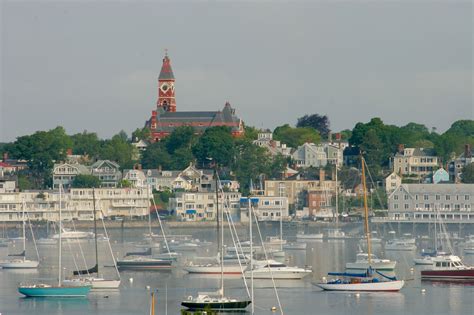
[(93, 65)]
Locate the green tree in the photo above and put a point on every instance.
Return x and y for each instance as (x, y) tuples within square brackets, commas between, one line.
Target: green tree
[(295, 137), (125, 183), (86, 143), (118, 149), (156, 156), (320, 123), (216, 143), (141, 134), (24, 183), (86, 181), (468, 174), (181, 137)]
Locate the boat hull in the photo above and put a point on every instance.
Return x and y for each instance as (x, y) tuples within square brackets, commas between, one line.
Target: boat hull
[(73, 291), (144, 265), (222, 306), (388, 286), (20, 264), (448, 275), (214, 270), (278, 275)]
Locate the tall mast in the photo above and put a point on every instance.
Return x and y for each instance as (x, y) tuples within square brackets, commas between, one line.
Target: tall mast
[(24, 233), (281, 217), (221, 237), (95, 233), (366, 211), (251, 254), (60, 235), (337, 201)]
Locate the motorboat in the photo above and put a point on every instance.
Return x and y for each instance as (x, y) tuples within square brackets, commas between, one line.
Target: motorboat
[(362, 262), (96, 283), (19, 263), (302, 237), (399, 245), (360, 282), (295, 246), (448, 268), (70, 234), (271, 269)]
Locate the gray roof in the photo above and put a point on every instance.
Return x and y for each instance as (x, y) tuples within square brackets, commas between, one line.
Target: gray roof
[(462, 189)]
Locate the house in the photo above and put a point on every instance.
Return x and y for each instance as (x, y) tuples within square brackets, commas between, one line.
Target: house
[(392, 181), (201, 206), (456, 166), (296, 189), (64, 174), (423, 202), (265, 208), (136, 177), (310, 154), (265, 140), (108, 172), (189, 179), (6, 168), (440, 176), (7, 185), (414, 161)]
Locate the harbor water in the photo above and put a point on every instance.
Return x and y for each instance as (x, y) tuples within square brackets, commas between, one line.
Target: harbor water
[(296, 296)]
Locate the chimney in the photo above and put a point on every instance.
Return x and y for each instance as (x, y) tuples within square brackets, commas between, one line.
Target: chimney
[(159, 168), (69, 152), (5, 156), (338, 136), (330, 137), (322, 175), (467, 151), (401, 148)]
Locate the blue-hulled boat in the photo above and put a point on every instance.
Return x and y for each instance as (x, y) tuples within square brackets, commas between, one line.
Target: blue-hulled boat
[(44, 290), (57, 290)]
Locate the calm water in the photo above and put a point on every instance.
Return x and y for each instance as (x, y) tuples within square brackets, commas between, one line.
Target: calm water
[(297, 297)]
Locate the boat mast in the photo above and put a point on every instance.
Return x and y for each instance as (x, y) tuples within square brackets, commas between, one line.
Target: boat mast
[(281, 217), (149, 216), (337, 201), (366, 211), (24, 233), (220, 233), (60, 235), (251, 254), (95, 234)]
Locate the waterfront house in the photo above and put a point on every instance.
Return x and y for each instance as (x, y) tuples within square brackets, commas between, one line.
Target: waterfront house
[(65, 173), (265, 208), (108, 172), (418, 162)]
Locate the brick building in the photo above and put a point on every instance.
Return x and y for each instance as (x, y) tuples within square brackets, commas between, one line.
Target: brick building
[(165, 119)]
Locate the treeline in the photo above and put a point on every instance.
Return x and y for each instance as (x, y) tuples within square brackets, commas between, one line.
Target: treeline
[(236, 158)]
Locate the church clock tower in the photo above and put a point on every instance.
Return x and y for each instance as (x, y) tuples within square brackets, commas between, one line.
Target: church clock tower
[(166, 100)]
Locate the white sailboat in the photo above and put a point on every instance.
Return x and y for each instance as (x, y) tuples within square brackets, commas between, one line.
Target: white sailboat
[(21, 262), (370, 280), (272, 269), (85, 276)]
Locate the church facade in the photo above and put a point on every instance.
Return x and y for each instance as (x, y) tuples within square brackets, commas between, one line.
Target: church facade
[(165, 119)]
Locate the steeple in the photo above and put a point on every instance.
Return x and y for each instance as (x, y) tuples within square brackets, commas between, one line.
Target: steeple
[(166, 72), (166, 99)]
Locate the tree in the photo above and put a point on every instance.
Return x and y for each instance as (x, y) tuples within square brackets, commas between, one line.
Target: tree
[(216, 143), (468, 174), (181, 137), (156, 156), (86, 143), (295, 137), (125, 183), (118, 149), (86, 181), (141, 134), (349, 177), (320, 123)]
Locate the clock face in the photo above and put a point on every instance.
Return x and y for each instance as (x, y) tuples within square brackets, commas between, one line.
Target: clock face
[(164, 87)]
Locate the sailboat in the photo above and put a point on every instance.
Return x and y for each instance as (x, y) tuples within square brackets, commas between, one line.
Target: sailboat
[(216, 300), (20, 262), (59, 289), (96, 282), (371, 280)]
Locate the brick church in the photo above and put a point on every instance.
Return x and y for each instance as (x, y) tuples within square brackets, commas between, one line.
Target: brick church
[(165, 118)]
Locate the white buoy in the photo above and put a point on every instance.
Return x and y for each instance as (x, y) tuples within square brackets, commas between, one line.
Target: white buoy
[(130, 280), (423, 291), (148, 287), (357, 295)]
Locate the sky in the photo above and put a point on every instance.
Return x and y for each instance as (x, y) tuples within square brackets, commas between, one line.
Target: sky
[(93, 65)]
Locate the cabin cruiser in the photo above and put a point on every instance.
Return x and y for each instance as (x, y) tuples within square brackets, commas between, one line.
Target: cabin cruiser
[(362, 262), (448, 268), (268, 269)]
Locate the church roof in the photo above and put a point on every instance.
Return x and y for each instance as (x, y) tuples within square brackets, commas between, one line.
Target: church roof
[(166, 72)]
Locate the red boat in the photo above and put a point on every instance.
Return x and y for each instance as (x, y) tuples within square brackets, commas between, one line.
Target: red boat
[(448, 268)]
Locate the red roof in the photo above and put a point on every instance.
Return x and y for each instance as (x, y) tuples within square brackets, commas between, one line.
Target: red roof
[(3, 164)]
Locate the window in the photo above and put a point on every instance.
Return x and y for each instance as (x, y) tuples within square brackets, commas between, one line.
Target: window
[(406, 197), (395, 197), (395, 206), (407, 206), (425, 197), (466, 197), (427, 206), (438, 197), (448, 197)]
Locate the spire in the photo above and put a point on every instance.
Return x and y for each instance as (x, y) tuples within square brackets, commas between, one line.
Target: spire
[(166, 72)]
